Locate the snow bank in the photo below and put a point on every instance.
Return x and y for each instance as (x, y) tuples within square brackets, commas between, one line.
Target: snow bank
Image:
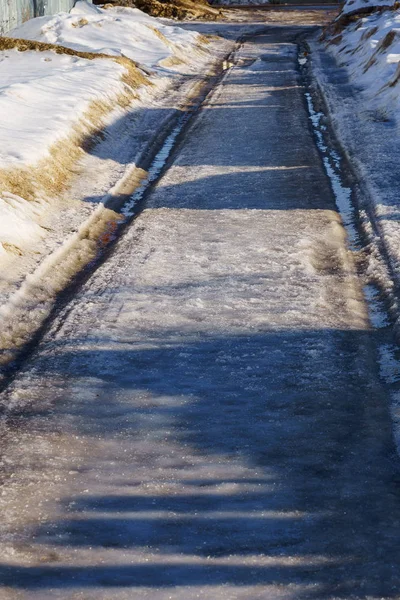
[(360, 6), (359, 73), (42, 94), (50, 101), (370, 51), (114, 77), (116, 31)]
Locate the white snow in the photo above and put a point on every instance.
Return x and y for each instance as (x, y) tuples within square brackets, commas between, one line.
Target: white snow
[(355, 6), (116, 31), (44, 95), (370, 51)]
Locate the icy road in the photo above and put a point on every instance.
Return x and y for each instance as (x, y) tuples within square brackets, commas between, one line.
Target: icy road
[(205, 418)]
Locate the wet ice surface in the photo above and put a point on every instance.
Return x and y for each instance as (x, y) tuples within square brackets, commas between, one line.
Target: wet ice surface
[(205, 419)]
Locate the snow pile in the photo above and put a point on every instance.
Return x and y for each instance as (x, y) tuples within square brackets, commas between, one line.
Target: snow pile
[(370, 51), (42, 94), (364, 6), (43, 98), (116, 31), (366, 55), (52, 102)]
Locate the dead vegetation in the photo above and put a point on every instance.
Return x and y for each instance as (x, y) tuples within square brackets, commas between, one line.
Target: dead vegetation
[(342, 21), (171, 9), (369, 33), (81, 23), (383, 45), (51, 175)]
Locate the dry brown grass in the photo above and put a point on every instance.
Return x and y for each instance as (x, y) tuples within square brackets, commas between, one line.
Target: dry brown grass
[(81, 23), (171, 61), (207, 38), (51, 175), (336, 40), (383, 45), (179, 57), (369, 33), (173, 9), (395, 79), (161, 37), (11, 248), (386, 41)]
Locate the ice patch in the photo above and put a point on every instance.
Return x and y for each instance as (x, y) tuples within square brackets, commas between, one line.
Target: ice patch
[(331, 163)]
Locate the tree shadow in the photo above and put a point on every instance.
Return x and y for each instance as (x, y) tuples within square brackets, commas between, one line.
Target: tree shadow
[(321, 510)]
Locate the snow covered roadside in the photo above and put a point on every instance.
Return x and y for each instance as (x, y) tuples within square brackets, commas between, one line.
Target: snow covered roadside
[(100, 114), (119, 31), (51, 104), (357, 72), (351, 7)]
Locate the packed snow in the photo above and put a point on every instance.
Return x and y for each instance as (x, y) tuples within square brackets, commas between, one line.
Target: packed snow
[(203, 419), (357, 70)]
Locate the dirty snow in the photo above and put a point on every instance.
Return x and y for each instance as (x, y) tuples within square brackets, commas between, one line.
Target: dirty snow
[(358, 74)]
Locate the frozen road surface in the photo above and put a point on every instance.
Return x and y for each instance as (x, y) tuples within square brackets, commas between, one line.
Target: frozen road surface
[(205, 418)]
